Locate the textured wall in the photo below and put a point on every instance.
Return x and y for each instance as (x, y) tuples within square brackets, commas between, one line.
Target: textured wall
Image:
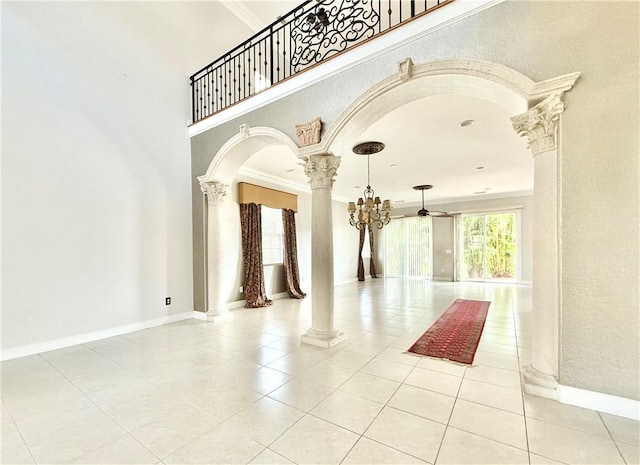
[(599, 163)]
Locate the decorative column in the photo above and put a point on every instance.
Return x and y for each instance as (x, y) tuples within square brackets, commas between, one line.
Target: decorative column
[(540, 124), (216, 228), (321, 170)]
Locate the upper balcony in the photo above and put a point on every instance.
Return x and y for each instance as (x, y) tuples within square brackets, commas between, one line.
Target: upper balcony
[(312, 33)]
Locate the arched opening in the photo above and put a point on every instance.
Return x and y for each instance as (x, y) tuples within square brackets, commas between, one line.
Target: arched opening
[(535, 109), (222, 237)]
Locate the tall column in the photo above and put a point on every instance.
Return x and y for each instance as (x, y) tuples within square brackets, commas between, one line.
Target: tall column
[(541, 125), (321, 170), (217, 287)]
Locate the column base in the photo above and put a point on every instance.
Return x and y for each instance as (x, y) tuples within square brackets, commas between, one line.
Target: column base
[(219, 315), (325, 339), (538, 383)]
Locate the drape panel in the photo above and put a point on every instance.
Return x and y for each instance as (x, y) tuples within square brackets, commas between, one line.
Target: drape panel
[(360, 261), (290, 259), (372, 262), (251, 224)]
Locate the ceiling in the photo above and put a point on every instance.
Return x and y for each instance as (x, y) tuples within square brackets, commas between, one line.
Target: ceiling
[(425, 144)]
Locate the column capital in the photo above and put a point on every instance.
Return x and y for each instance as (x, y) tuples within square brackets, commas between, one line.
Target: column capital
[(321, 170), (540, 124), (215, 191)]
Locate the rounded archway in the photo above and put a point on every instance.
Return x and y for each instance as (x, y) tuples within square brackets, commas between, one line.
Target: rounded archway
[(536, 109)]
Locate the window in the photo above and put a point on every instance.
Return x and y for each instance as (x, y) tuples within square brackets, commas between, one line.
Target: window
[(271, 236), (489, 246), (407, 248)]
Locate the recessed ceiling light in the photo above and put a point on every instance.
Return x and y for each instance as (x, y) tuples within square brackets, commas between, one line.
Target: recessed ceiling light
[(398, 201), (480, 192), (356, 187), (466, 123), (393, 165), (290, 170), (479, 167)]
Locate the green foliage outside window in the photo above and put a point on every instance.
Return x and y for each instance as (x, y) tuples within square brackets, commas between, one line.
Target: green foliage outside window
[(495, 236)]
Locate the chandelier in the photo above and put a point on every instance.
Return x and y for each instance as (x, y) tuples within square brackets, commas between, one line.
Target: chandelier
[(369, 210)]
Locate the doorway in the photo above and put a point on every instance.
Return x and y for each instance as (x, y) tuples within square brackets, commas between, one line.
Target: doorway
[(489, 246)]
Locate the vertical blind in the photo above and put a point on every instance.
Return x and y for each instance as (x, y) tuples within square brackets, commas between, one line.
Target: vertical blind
[(408, 247)]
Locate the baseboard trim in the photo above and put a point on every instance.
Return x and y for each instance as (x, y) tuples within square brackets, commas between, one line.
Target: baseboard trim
[(606, 403), (241, 303), (61, 343)]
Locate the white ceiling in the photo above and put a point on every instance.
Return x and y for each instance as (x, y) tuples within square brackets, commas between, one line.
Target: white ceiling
[(423, 139)]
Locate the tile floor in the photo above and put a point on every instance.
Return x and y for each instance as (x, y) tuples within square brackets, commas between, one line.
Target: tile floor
[(246, 391)]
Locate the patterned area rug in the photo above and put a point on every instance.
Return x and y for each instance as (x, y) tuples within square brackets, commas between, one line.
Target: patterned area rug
[(455, 335)]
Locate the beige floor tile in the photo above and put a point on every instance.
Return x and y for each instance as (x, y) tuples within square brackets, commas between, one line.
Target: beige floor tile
[(18, 455), (497, 376), (408, 433), (169, 433), (348, 411), (313, 440), (386, 369), (434, 381), (427, 404), (328, 374), (460, 447), (570, 445), (124, 450), (219, 445), (264, 420), (71, 442), (398, 355), (9, 434), (499, 425), (370, 387), (367, 451), (301, 394), (510, 350), (269, 457), (492, 395), (630, 452), (294, 364), (570, 416), (540, 460), (265, 380), (224, 402), (506, 362), (622, 429), (350, 360), (442, 366), (136, 413)]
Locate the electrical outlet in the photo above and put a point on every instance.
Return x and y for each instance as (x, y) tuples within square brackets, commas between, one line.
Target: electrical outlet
[(241, 289), (167, 301)]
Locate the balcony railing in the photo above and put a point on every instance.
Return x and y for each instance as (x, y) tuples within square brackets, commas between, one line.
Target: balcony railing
[(314, 32)]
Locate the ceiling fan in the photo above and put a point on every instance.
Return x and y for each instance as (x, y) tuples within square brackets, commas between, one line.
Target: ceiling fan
[(423, 211)]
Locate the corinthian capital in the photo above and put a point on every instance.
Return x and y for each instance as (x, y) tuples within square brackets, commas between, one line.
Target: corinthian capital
[(540, 124), (321, 170), (215, 191)]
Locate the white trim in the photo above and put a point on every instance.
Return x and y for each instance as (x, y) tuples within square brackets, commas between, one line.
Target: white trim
[(197, 315), (241, 303), (244, 14), (401, 36), (606, 403), (46, 346), (506, 209)]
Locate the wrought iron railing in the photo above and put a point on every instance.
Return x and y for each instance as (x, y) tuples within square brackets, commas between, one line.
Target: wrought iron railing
[(311, 33)]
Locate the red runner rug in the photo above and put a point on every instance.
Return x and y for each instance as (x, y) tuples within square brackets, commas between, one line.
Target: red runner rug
[(455, 335)]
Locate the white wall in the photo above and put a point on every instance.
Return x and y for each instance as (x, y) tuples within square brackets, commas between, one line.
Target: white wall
[(95, 165)]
